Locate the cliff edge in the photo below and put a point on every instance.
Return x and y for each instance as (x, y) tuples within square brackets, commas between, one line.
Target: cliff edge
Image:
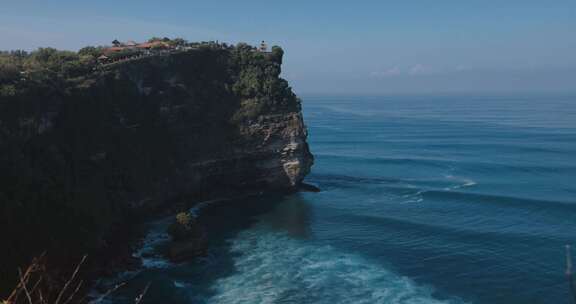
[(85, 147)]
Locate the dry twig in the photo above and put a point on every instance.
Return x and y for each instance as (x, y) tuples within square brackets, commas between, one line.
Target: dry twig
[(141, 296), (107, 294), (72, 278), (34, 276), (23, 284)]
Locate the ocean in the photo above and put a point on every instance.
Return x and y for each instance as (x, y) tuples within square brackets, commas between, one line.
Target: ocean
[(425, 199)]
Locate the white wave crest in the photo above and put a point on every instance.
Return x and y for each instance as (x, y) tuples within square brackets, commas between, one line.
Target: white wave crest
[(462, 182), (147, 253)]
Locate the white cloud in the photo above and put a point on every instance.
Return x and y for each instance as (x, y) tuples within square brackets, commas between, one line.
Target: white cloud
[(393, 71), (420, 69)]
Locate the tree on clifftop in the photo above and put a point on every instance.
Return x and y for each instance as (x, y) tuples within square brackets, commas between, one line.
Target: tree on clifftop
[(90, 50), (277, 54)]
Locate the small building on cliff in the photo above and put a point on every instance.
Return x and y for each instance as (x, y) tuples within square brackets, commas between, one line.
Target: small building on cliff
[(263, 47)]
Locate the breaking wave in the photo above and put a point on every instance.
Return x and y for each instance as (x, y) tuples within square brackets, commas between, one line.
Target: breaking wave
[(148, 252), (272, 267)]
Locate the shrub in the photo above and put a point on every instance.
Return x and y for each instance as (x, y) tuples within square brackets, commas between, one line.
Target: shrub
[(9, 71), (90, 51), (184, 219), (277, 54), (7, 90), (181, 228)]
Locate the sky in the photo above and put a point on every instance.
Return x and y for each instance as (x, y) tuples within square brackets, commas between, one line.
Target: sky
[(339, 47)]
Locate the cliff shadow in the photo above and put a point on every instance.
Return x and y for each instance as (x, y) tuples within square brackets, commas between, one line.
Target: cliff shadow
[(226, 222)]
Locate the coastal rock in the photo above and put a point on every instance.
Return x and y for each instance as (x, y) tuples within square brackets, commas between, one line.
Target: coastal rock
[(99, 150), (188, 239), (183, 251)]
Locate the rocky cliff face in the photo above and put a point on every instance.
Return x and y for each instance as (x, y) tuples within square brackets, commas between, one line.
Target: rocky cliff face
[(79, 157), (227, 123)]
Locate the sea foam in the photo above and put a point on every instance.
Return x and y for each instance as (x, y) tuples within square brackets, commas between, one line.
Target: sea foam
[(272, 267)]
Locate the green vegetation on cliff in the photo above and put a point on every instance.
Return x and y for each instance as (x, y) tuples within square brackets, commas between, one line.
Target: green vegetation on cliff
[(85, 148)]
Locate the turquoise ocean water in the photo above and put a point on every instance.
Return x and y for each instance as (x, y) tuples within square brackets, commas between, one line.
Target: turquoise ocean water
[(426, 199)]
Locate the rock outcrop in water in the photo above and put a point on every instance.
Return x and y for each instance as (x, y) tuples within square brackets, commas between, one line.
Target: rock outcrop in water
[(82, 157), (189, 239)]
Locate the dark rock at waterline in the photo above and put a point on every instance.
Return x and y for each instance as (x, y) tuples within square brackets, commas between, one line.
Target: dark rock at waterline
[(188, 239), (308, 188), (187, 250), (122, 263)]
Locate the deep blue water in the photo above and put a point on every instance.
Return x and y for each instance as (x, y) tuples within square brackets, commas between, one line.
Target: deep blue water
[(430, 199)]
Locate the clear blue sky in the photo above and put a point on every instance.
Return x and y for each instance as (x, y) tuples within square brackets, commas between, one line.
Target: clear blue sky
[(354, 47)]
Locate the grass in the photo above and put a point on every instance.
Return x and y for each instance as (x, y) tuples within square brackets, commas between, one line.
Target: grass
[(33, 287)]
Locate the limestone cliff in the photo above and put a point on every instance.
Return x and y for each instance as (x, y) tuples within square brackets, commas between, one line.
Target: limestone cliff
[(81, 156)]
